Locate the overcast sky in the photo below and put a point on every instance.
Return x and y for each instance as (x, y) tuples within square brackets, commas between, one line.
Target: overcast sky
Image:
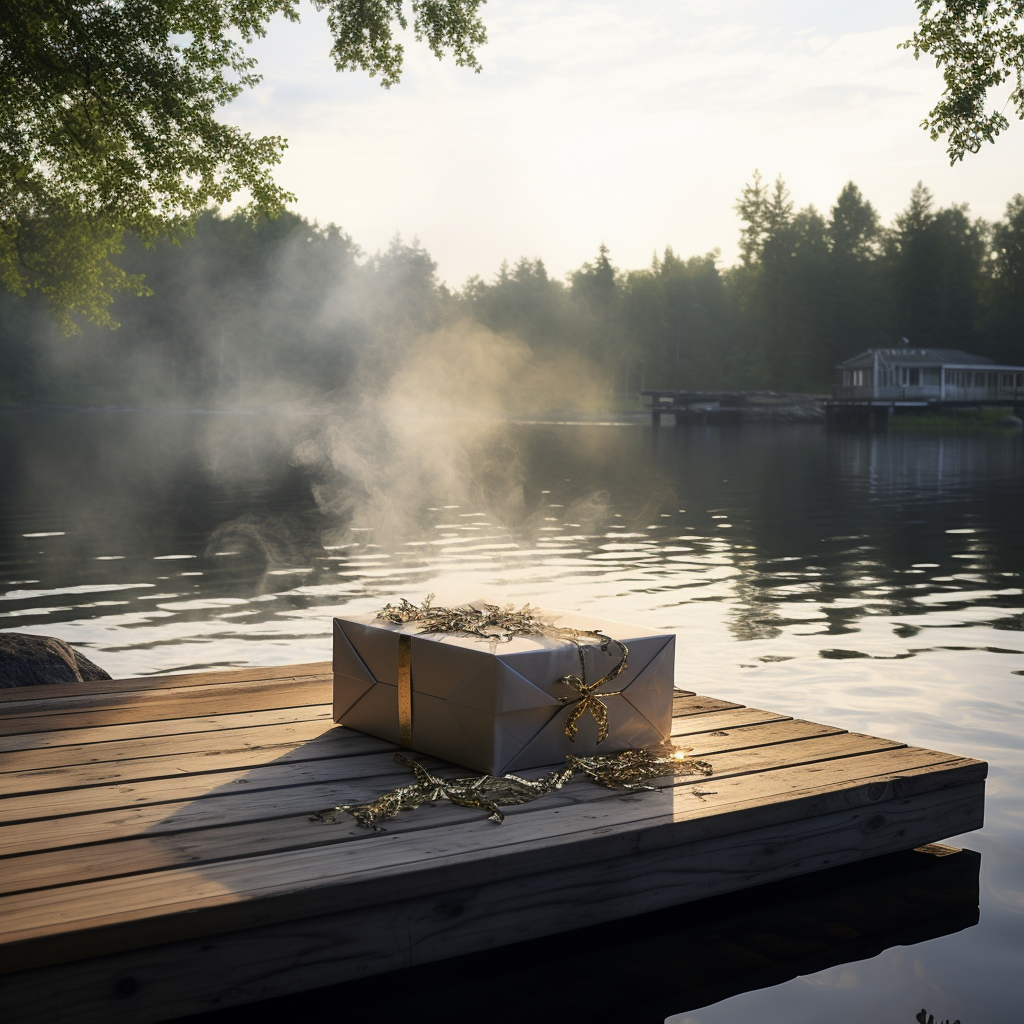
[(632, 123)]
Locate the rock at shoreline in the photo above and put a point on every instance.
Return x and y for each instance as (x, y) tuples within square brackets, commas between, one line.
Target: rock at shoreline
[(27, 660)]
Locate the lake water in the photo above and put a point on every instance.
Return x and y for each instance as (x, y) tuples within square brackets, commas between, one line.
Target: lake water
[(867, 581)]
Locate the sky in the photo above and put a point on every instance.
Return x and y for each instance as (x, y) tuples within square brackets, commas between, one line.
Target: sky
[(633, 124)]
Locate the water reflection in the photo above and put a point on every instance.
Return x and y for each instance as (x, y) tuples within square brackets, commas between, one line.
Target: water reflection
[(791, 531)]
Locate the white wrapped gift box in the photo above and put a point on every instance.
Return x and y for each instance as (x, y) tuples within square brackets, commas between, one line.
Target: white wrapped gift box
[(492, 706)]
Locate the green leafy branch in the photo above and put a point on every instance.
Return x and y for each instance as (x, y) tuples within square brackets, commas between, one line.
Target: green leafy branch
[(979, 45), (108, 124)]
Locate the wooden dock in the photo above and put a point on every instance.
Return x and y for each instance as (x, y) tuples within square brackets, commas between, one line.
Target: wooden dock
[(159, 860), (710, 408)]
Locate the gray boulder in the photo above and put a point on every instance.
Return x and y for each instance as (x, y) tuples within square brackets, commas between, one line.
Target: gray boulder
[(27, 660)]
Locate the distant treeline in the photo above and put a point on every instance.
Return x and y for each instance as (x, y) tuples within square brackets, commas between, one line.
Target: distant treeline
[(243, 314)]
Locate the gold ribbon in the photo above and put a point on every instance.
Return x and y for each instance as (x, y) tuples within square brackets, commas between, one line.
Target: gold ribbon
[(405, 690), (628, 770), (589, 699)]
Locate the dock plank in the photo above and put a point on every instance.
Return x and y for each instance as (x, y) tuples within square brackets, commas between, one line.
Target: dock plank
[(242, 806), (348, 765), (83, 710), (228, 831), (305, 741), (61, 691), (102, 751), (83, 738), (184, 754), (201, 701)]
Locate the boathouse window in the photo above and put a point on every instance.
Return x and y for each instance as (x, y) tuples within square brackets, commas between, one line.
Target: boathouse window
[(979, 380), (910, 376), (1007, 380)]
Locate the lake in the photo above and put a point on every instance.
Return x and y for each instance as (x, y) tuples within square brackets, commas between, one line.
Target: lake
[(871, 582)]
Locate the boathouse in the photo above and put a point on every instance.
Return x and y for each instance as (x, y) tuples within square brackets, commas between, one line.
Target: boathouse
[(927, 375)]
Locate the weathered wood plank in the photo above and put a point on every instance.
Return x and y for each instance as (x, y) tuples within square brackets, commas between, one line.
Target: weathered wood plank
[(183, 699), (225, 835), (82, 746), (358, 764), (207, 752), (242, 806), (89, 745), (93, 709), (200, 702), (729, 718), (31, 694), (697, 704), (184, 754), (347, 767), (497, 909)]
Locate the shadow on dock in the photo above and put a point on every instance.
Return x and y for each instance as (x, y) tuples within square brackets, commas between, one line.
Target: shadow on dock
[(646, 968)]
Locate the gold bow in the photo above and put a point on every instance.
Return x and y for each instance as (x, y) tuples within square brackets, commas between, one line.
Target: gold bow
[(588, 698)]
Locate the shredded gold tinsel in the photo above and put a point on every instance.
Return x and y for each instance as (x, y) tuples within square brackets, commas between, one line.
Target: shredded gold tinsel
[(503, 623), (493, 622), (627, 770)]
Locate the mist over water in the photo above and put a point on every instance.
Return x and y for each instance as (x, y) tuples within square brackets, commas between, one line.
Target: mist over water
[(867, 581), (432, 430)]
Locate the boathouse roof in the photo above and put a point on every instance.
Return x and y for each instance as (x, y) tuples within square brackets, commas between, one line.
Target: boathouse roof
[(909, 356)]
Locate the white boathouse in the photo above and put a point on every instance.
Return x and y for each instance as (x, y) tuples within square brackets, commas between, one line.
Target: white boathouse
[(927, 375)]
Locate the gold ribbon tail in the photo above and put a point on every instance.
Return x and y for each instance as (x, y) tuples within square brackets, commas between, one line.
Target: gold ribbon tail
[(405, 690)]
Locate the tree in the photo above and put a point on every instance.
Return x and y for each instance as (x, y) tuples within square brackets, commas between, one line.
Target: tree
[(767, 216), (752, 207), (853, 227), (1006, 301), (858, 295), (108, 123), (979, 45), (937, 261), (594, 283), (675, 314)]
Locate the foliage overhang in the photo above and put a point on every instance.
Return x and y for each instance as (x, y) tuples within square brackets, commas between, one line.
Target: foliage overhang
[(979, 45), (108, 123)]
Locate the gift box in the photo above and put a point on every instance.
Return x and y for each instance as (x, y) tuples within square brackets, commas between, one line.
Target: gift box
[(502, 707)]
